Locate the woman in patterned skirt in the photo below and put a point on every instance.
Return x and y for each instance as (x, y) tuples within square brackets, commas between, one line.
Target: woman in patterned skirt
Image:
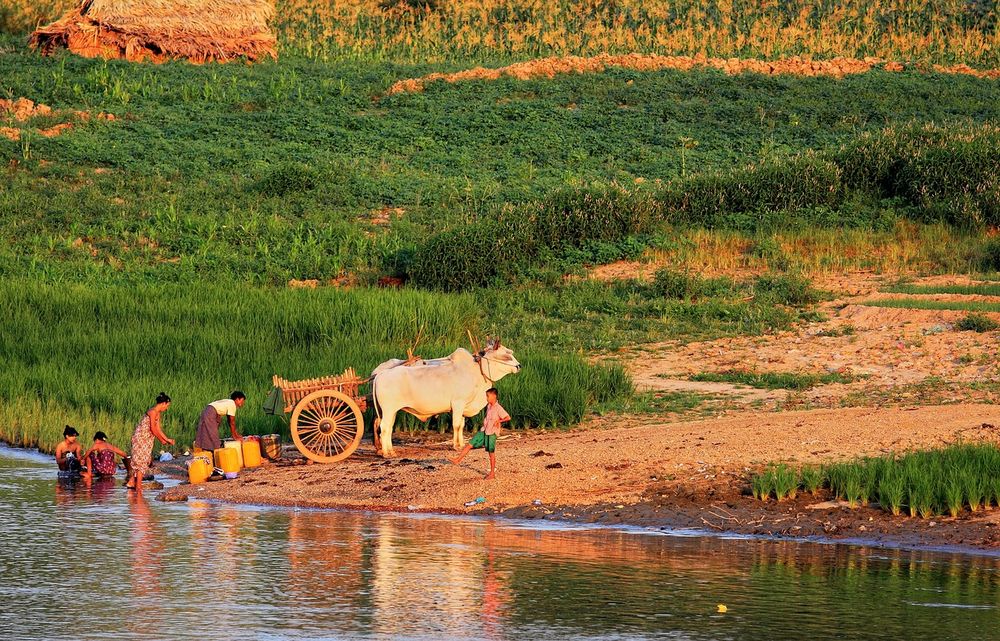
[(142, 440)]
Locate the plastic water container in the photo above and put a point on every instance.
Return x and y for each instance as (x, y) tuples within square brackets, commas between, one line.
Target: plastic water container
[(205, 456), (199, 470), (251, 452), (270, 446), (227, 459), (235, 445)]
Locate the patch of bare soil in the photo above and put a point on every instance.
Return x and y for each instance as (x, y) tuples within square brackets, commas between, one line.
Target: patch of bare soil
[(552, 66), (665, 474), (21, 111), (874, 347)]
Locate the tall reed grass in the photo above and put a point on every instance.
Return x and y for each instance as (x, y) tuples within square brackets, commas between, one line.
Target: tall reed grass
[(96, 356), (925, 483)]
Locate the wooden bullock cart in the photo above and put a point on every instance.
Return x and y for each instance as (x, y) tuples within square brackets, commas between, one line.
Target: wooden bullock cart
[(327, 414)]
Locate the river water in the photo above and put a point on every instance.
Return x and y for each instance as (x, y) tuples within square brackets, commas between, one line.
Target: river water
[(91, 562)]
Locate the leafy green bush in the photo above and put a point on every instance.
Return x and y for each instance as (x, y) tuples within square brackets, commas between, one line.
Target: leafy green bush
[(976, 322), (287, 178), (785, 289), (482, 253), (989, 255), (947, 172), (773, 185)]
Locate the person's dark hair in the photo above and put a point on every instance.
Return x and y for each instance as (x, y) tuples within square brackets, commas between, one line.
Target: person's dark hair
[(237, 395), (493, 391), (70, 431), (162, 398), (100, 436)]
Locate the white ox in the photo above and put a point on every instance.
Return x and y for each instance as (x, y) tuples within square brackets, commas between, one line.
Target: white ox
[(455, 384)]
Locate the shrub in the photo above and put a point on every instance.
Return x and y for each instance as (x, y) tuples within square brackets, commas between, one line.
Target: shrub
[(813, 477), (676, 285), (773, 185), (948, 172), (989, 255), (575, 217), (481, 253), (785, 289), (287, 178), (976, 322), (768, 249)]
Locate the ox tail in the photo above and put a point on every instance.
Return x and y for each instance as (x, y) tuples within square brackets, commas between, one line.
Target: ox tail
[(375, 403)]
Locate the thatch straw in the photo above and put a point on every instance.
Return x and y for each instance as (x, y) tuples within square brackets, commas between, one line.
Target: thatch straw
[(158, 30)]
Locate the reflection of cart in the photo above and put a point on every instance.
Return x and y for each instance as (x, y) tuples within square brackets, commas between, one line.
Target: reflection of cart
[(326, 422)]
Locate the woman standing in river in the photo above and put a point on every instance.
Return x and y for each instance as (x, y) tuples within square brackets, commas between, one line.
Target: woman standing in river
[(142, 440)]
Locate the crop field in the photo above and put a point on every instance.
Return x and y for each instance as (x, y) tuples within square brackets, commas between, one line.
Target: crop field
[(946, 31), (185, 200), (949, 481)]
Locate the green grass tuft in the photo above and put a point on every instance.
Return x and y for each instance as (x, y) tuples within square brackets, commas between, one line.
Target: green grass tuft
[(771, 380), (976, 322)]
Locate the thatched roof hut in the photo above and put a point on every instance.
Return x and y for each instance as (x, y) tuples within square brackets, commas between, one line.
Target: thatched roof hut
[(158, 30)]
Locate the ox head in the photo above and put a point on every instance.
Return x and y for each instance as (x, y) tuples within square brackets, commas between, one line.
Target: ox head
[(500, 360)]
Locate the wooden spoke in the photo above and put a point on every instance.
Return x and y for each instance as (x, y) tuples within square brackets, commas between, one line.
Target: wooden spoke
[(326, 426)]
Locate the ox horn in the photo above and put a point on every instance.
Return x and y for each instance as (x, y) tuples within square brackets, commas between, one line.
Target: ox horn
[(474, 344)]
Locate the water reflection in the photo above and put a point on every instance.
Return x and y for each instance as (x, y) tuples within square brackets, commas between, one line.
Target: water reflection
[(146, 554), (209, 571)]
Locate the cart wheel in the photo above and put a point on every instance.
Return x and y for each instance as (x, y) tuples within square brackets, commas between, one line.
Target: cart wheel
[(327, 426)]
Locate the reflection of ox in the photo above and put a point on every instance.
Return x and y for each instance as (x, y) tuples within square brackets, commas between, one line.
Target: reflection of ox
[(455, 384)]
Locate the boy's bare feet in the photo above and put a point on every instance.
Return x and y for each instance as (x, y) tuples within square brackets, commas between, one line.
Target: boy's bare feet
[(489, 477)]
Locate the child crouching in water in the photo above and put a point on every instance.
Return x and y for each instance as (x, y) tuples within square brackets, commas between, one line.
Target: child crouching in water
[(486, 438)]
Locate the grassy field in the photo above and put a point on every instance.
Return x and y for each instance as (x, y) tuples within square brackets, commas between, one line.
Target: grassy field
[(152, 252), (95, 356)]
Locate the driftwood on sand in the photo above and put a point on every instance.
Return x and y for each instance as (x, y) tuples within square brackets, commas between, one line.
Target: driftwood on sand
[(159, 30)]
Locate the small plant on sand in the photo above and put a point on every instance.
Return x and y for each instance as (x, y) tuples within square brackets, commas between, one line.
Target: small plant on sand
[(853, 485), (920, 491), (993, 482), (892, 489), (813, 478), (974, 489), (760, 487), (835, 476), (870, 470), (785, 482), (953, 495), (976, 322)]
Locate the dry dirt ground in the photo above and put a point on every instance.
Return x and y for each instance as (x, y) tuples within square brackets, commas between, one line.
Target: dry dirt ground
[(890, 355), (658, 471)]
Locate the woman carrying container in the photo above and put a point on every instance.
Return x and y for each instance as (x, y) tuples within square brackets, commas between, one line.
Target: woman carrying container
[(142, 440), (207, 437)]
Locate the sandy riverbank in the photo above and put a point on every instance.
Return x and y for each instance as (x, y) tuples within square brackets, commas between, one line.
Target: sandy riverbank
[(688, 474)]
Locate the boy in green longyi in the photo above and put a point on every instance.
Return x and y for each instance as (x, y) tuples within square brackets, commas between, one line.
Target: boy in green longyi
[(486, 438)]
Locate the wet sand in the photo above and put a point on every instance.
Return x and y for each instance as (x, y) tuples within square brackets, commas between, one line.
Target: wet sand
[(633, 471)]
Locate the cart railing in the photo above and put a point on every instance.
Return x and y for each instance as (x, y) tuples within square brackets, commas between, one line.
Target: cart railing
[(347, 383)]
